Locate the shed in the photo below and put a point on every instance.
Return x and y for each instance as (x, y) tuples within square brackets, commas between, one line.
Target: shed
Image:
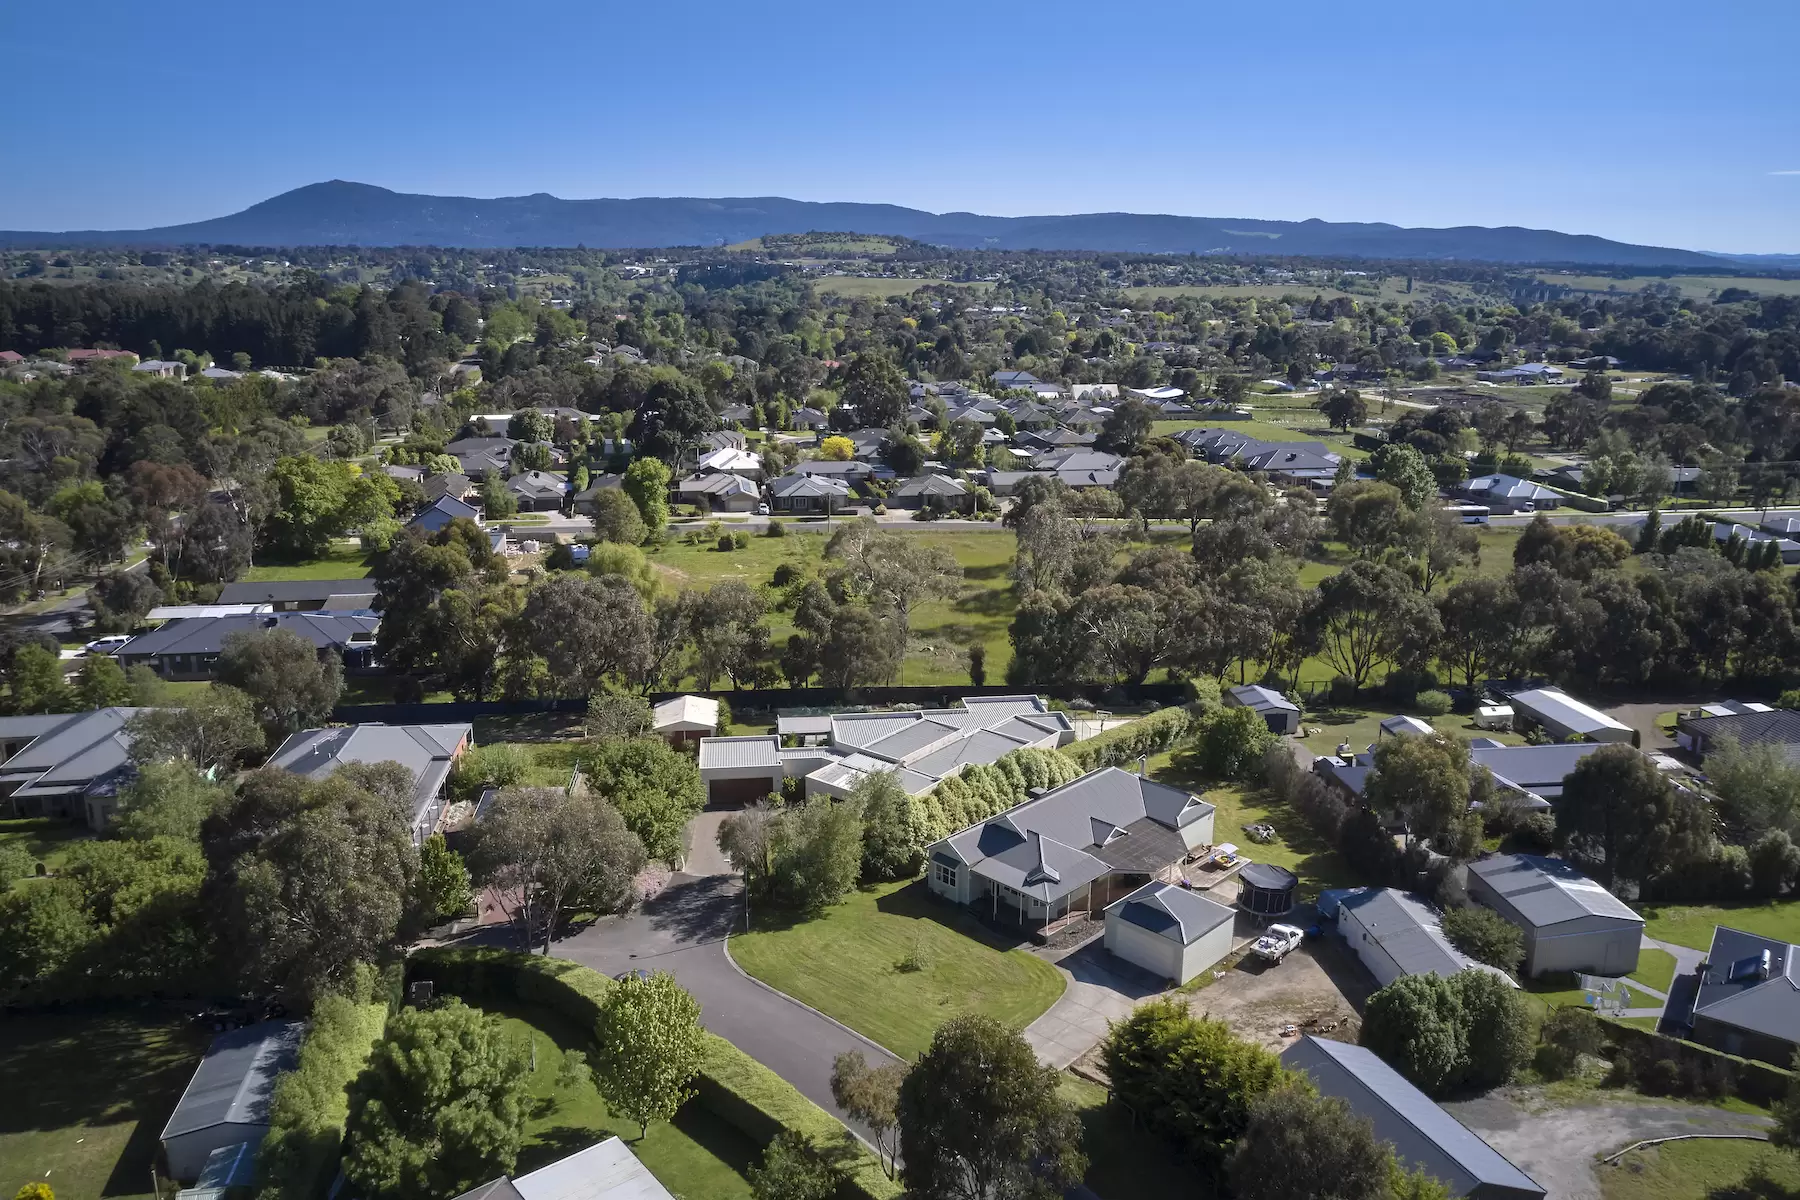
[(1409, 726), (227, 1101), (739, 770), (606, 1170), (1277, 711), (1422, 1134), (1564, 717), (1396, 934), (1570, 922), (684, 720), (1266, 890), (1169, 931)]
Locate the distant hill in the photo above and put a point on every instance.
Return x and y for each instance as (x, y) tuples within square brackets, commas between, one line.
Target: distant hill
[(356, 214)]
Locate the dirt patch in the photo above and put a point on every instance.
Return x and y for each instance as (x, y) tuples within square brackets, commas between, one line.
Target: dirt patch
[(1319, 988)]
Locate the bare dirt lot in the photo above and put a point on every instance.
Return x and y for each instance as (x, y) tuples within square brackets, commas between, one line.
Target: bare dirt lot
[(1319, 989)]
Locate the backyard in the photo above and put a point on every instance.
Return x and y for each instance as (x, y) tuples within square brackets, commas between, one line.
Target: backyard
[(86, 1096), (1692, 925), (47, 839), (1693, 1169), (894, 964)]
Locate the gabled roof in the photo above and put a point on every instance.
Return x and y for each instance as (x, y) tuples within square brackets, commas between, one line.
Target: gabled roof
[(719, 484), (831, 467), (801, 486), (931, 485), (1168, 911), (605, 1171), (1554, 704), (729, 458), (1409, 932), (1548, 891), (428, 751), (1262, 699), (537, 483), (236, 1079), (1539, 770), (719, 753), (1751, 983), (298, 591), (685, 713), (206, 635), (1422, 1134), (442, 511), (70, 753), (1509, 487), (1777, 727)]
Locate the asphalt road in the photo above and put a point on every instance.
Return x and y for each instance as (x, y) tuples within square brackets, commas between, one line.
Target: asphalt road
[(683, 931)]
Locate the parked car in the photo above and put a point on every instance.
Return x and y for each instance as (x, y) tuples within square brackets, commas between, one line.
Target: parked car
[(762, 510), (110, 644), (1277, 943)]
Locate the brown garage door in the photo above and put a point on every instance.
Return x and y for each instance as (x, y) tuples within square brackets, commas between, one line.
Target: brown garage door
[(735, 793)]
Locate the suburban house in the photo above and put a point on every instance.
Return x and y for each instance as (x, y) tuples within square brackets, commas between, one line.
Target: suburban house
[(538, 491), (1080, 467), (1157, 395), (303, 595), (1005, 380), (1724, 531), (1171, 932), (454, 484), (227, 1101), (939, 493), (1570, 922), (1395, 933), (1532, 775), (734, 460), (1076, 848), (68, 765), (480, 457), (1423, 1135), (1523, 373), (808, 419), (162, 369), (921, 747), (1562, 716), (1509, 494), (1747, 724), (1748, 999), (189, 648), (583, 501), (808, 494), (720, 492), (684, 720), (1295, 465), (851, 471), (83, 357), (429, 752), (441, 512), (1279, 713), (604, 1171)]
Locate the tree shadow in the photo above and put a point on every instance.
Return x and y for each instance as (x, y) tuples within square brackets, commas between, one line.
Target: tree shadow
[(555, 1144), (988, 602), (94, 1067), (697, 909), (999, 570), (917, 901)]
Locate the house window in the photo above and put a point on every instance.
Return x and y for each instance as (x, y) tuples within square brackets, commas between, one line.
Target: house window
[(944, 873)]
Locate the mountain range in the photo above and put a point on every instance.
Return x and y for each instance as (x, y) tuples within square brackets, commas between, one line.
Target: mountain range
[(339, 213)]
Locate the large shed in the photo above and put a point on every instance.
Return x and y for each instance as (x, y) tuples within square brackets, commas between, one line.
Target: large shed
[(227, 1101), (1169, 931), (1570, 922), (1395, 934), (1563, 717), (1279, 713), (1422, 1134)]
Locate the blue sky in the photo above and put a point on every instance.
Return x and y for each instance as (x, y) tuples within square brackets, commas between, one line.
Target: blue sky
[(1647, 121)]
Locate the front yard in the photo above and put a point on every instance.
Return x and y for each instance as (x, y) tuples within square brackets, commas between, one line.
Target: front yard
[(893, 964)]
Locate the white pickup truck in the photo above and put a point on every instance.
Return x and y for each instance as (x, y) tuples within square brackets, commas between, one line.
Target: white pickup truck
[(1277, 943)]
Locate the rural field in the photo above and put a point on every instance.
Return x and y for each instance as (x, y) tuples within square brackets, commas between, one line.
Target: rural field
[(1392, 288), (1694, 287), (855, 286)]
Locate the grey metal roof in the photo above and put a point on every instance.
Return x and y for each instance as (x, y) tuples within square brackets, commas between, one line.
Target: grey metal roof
[(717, 753), (1421, 1133), (1548, 891), (443, 510), (1058, 830), (604, 1171), (1554, 704), (1407, 725), (1168, 911), (808, 485), (1408, 931), (295, 591), (206, 635), (1779, 727), (931, 485), (1539, 769), (235, 1080), (1735, 991), (78, 754), (428, 751), (1262, 699)]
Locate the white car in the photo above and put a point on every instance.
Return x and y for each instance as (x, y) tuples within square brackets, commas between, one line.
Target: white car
[(1277, 943), (109, 644)]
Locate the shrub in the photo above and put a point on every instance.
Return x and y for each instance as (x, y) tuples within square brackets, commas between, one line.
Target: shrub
[(740, 540), (1568, 1034), (727, 543), (1472, 1030), (500, 764), (1232, 742), (1432, 702), (1774, 864), (1343, 690), (776, 529), (1486, 936), (979, 792), (881, 510)]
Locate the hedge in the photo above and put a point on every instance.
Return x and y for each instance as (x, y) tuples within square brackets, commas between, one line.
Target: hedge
[(981, 790), (1586, 503), (1751, 1079), (1146, 735), (300, 1154), (731, 1085)]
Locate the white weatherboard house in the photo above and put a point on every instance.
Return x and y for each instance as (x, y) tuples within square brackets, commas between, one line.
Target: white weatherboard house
[(1570, 922), (1075, 848), (227, 1101), (1169, 931)]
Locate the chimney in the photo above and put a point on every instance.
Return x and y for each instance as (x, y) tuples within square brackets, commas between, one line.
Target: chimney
[(1143, 761)]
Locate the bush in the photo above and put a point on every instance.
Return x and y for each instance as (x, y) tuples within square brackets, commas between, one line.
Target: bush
[(1232, 742), (500, 764), (776, 529), (1472, 1030), (1774, 864), (1343, 690), (731, 1085), (740, 540), (1486, 936), (1432, 702), (979, 792), (727, 543), (1146, 735), (1568, 1034)]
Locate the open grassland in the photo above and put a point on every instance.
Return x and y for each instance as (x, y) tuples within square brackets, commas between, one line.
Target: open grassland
[(1694, 1169), (345, 561), (1392, 288), (86, 1096), (884, 289), (894, 964), (1694, 287)]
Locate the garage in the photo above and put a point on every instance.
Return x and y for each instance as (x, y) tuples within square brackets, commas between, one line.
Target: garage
[(227, 1101), (740, 770), (1570, 922), (1169, 931)]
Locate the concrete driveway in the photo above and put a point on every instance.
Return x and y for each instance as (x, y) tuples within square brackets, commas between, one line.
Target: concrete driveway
[(683, 931), (1100, 990)]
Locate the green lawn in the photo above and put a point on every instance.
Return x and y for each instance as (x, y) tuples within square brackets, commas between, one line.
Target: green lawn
[(1359, 725), (47, 839), (1555, 992), (846, 963), (86, 1095), (696, 1156), (1692, 925), (1691, 1170), (1656, 968), (342, 562), (1124, 1162), (859, 286)]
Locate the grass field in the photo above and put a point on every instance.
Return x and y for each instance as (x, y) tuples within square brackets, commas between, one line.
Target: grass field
[(1692, 925), (1691, 1170), (48, 840), (694, 1155), (884, 289), (855, 961), (1124, 1161), (1390, 289), (343, 562), (86, 1096), (1692, 286), (1656, 968)]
